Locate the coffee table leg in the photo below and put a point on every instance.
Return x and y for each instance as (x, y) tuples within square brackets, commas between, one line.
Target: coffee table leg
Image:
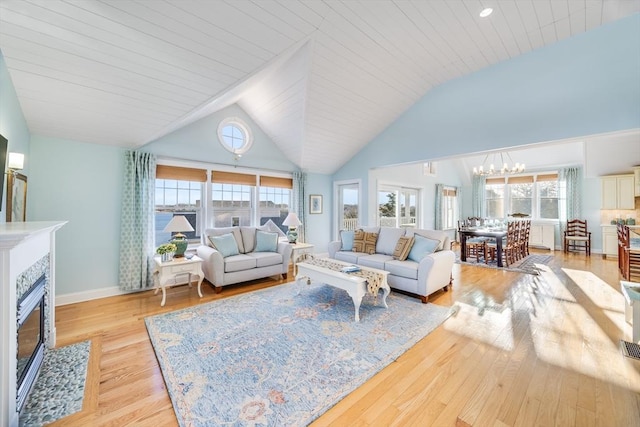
[(300, 286), (357, 299), (385, 292)]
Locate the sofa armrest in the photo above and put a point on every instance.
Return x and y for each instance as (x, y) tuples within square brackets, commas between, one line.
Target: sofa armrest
[(434, 271), (334, 247), (212, 264), (285, 250)]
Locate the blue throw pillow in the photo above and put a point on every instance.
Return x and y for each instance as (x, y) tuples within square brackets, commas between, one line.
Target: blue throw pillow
[(422, 247), (347, 240), (266, 242), (225, 244)]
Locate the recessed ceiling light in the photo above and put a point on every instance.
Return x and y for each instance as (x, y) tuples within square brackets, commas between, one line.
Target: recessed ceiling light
[(486, 12)]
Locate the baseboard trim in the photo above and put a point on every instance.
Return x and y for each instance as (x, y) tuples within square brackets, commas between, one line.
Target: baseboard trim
[(75, 297)]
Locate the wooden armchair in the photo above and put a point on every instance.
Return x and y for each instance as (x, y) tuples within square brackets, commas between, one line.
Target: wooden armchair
[(577, 236)]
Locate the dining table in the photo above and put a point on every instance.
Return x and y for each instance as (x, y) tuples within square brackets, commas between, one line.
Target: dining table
[(497, 233)]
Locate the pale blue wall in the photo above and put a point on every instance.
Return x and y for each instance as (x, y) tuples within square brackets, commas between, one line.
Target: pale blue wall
[(319, 225), (199, 141), (13, 127), (80, 183), (583, 85)]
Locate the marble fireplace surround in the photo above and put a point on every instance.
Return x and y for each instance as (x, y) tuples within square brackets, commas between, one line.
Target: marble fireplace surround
[(23, 245)]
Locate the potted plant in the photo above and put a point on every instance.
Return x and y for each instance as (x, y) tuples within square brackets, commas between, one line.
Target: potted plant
[(166, 251)]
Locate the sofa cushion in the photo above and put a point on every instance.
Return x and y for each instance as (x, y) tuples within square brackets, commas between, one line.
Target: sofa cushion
[(387, 239), (265, 259), (364, 242), (408, 268), (224, 230), (248, 239), (374, 261), (349, 256), (266, 242), (238, 263), (225, 244), (346, 237), (422, 246), (403, 246)]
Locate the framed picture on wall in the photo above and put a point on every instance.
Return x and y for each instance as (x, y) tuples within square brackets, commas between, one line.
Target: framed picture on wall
[(315, 203), (16, 197)]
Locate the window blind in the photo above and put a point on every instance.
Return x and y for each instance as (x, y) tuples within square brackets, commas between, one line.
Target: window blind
[(272, 181), (233, 178), (180, 173), (520, 179)]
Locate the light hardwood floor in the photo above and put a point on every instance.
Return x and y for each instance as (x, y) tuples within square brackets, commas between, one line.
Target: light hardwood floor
[(522, 350)]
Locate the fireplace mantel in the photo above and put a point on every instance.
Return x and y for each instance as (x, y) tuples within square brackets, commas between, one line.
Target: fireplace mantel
[(21, 245)]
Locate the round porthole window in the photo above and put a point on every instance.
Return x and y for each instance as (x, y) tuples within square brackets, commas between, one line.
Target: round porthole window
[(235, 135)]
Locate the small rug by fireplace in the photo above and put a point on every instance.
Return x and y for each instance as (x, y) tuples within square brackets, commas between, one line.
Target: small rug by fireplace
[(59, 389), (274, 358)]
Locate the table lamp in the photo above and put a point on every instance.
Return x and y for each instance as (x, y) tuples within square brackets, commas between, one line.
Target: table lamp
[(292, 222), (178, 224)]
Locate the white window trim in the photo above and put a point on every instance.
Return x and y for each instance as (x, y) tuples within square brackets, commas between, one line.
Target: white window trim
[(246, 130)]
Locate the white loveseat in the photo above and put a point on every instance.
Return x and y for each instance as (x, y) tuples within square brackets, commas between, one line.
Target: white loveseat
[(250, 262), (430, 274)]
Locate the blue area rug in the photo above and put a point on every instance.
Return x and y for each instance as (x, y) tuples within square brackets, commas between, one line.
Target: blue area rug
[(275, 358), (59, 389)]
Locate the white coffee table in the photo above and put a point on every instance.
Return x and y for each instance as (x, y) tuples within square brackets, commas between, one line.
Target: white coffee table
[(166, 273), (355, 286)]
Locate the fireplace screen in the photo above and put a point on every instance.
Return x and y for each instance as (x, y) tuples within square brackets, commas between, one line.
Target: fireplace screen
[(30, 338)]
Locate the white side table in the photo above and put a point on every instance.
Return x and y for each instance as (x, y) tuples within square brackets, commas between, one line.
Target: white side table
[(166, 273), (297, 250)]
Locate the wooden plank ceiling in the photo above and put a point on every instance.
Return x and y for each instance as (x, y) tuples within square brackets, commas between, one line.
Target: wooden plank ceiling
[(321, 78)]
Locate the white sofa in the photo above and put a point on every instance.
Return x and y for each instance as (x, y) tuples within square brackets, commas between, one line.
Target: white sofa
[(248, 264), (430, 274)]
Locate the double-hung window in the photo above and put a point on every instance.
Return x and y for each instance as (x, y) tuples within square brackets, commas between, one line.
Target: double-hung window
[(534, 195), (178, 191), (275, 200), (449, 208), (232, 197)]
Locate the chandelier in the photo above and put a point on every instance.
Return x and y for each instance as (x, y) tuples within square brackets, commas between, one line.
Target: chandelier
[(505, 170)]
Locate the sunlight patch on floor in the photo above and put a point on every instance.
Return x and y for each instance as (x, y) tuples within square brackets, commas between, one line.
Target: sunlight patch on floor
[(598, 291), (488, 325), (581, 328)]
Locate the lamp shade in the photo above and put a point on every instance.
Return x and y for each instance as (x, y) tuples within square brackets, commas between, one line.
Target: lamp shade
[(291, 220), (16, 161), (177, 224)]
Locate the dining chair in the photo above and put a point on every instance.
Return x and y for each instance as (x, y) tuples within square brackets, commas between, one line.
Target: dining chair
[(475, 247), (577, 236)]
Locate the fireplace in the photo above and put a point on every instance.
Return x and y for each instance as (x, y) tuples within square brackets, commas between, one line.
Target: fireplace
[(30, 312)]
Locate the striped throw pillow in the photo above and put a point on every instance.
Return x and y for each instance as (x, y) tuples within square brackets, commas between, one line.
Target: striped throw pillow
[(365, 242), (401, 251)]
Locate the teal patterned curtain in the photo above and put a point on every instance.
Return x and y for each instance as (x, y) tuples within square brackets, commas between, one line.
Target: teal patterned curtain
[(299, 192), (438, 206), (478, 199), (570, 197), (137, 221)]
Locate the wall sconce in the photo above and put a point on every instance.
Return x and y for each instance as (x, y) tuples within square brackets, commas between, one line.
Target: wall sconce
[(16, 161)]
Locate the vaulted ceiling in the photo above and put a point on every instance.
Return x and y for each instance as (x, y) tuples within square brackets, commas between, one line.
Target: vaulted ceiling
[(321, 78)]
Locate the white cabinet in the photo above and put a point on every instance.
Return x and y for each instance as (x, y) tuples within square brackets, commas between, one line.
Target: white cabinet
[(542, 235), (636, 175), (609, 241), (618, 192)]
